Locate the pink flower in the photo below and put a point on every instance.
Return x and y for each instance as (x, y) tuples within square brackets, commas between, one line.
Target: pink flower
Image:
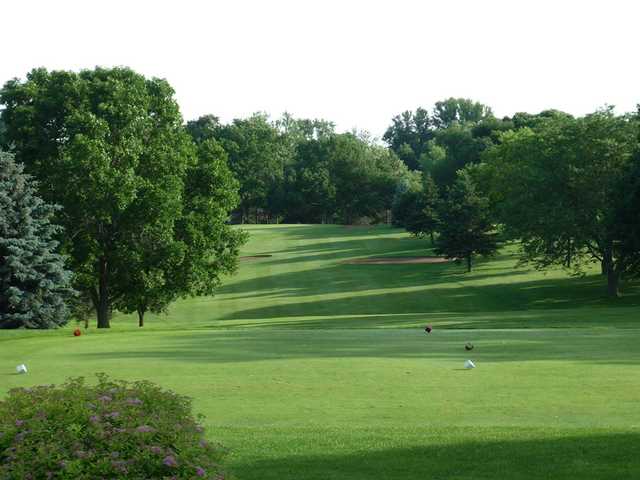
[(170, 461), (200, 472), (145, 429)]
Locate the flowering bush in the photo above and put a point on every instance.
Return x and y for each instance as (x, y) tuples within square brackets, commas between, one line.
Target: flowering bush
[(114, 429)]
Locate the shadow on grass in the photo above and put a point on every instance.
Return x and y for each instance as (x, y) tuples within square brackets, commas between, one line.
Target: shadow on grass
[(614, 346), (439, 292), (598, 457)]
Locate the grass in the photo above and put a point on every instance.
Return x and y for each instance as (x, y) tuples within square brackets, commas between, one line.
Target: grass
[(308, 368)]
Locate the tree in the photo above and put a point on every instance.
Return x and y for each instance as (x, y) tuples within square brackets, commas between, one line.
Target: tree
[(557, 189), (109, 146), (430, 219), (465, 228), (627, 221), (452, 149), (202, 247), (34, 285), (416, 205), (408, 136), (257, 156), (3, 132), (204, 128), (459, 111), (365, 177)]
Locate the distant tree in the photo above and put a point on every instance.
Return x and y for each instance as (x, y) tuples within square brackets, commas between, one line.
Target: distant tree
[(416, 207), (521, 120), (430, 222), (257, 156), (109, 146), (626, 222), (453, 148), (3, 132), (459, 111), (34, 285), (204, 128), (408, 136), (310, 192), (365, 177), (557, 188), (299, 129), (465, 229)]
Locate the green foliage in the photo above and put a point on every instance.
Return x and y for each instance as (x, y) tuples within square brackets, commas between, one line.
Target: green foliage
[(257, 156), (409, 135), (466, 228), (3, 130), (459, 111), (108, 145), (453, 148), (34, 285), (626, 223), (114, 429), (415, 207), (557, 187), (204, 128), (202, 247)]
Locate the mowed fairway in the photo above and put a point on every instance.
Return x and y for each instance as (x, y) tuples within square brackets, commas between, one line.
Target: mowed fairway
[(310, 368)]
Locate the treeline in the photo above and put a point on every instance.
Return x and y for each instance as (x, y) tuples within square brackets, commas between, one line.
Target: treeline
[(567, 189), (302, 171)]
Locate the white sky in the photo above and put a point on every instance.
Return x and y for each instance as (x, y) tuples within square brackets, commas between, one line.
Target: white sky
[(357, 63)]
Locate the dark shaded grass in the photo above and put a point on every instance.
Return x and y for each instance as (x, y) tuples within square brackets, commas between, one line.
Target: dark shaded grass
[(483, 455)]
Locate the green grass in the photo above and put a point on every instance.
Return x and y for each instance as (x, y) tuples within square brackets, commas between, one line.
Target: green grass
[(308, 368)]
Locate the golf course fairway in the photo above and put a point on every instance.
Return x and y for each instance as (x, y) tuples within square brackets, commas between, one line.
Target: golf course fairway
[(307, 365)]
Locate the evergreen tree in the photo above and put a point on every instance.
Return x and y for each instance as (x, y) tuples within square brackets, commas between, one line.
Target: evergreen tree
[(465, 226), (33, 282)]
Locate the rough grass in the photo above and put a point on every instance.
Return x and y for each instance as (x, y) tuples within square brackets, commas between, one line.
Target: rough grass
[(309, 368)]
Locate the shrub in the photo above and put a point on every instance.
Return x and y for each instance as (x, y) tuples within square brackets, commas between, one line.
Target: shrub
[(115, 429)]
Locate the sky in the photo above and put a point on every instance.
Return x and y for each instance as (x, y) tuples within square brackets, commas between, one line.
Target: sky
[(354, 62)]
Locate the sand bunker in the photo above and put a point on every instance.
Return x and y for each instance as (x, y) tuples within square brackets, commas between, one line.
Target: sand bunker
[(253, 258), (396, 260)]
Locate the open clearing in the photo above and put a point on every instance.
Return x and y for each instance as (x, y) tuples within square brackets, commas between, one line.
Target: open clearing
[(309, 368)]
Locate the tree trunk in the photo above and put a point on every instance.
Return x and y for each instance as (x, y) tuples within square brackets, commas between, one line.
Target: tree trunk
[(613, 277), (469, 263), (141, 312), (102, 309), (431, 235), (613, 283), (603, 267)]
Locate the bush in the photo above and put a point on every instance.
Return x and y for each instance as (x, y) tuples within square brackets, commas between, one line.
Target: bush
[(114, 429)]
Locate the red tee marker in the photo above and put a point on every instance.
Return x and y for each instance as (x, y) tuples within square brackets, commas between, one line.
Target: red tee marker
[(77, 332)]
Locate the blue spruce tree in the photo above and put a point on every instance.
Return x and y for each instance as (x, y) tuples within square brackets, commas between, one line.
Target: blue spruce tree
[(34, 284)]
